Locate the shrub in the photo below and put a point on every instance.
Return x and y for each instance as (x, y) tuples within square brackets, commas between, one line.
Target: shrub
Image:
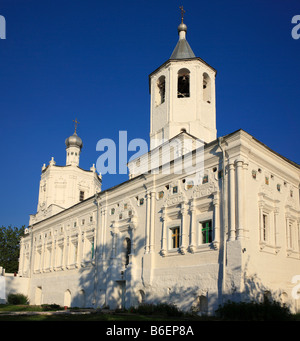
[(168, 309), (51, 307), (269, 310), (17, 299), (157, 309)]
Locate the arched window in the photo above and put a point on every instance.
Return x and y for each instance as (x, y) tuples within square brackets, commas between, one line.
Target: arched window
[(160, 90), (127, 250), (38, 296), (81, 298), (206, 88), (67, 298), (141, 297), (183, 86)]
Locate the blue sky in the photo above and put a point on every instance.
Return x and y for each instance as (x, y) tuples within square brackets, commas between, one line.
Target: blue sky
[(91, 60)]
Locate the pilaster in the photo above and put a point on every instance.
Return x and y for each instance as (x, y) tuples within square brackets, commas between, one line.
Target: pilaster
[(183, 212), (240, 198), (231, 200)]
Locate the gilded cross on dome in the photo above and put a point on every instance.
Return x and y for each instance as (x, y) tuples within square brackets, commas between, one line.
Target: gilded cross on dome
[(182, 13), (76, 123)]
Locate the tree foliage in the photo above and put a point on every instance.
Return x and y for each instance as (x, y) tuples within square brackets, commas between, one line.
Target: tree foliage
[(10, 247)]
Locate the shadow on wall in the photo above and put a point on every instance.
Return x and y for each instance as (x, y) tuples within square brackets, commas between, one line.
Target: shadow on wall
[(10, 284), (121, 279), (122, 283)]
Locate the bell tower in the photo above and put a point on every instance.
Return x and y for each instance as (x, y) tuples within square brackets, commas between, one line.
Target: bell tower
[(182, 95)]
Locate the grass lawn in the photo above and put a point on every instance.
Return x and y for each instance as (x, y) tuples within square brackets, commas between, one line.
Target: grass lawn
[(80, 317), (27, 313), (42, 313)]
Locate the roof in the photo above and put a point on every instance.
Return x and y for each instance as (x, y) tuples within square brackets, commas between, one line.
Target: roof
[(182, 50), (142, 175)]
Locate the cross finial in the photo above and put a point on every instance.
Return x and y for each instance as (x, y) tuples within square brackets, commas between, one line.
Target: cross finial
[(76, 123), (182, 13)]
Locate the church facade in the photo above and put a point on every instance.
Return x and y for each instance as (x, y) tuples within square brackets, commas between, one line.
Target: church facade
[(230, 230)]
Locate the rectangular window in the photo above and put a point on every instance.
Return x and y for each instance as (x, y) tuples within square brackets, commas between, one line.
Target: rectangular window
[(81, 195), (92, 249), (175, 237), (291, 237), (206, 229), (265, 227)]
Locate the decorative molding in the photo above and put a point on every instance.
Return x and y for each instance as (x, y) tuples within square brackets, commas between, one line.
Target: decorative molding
[(266, 191), (204, 190), (174, 199), (272, 249)]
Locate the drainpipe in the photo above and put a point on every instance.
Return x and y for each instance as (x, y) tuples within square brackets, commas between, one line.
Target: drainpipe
[(224, 220)]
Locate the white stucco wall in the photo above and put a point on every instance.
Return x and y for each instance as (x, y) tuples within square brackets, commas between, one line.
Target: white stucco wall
[(193, 272)]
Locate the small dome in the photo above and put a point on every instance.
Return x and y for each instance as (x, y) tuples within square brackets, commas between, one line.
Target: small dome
[(74, 140), (182, 27)]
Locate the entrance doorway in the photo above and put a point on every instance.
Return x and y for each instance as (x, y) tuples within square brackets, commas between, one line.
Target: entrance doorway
[(67, 298), (38, 296)]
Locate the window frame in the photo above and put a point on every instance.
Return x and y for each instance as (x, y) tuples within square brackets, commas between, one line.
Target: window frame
[(201, 218), (265, 226), (208, 232), (174, 244), (180, 74), (206, 84), (160, 90), (292, 235)]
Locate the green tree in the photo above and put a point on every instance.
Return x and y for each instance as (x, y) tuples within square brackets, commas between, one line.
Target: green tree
[(10, 247)]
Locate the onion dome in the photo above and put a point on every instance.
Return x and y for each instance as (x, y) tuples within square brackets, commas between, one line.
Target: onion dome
[(74, 141)]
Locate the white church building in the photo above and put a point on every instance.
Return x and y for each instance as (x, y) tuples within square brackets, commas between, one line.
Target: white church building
[(228, 230)]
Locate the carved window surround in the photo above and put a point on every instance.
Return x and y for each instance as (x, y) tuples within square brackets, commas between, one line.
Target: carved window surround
[(268, 221), (178, 211), (292, 218)]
